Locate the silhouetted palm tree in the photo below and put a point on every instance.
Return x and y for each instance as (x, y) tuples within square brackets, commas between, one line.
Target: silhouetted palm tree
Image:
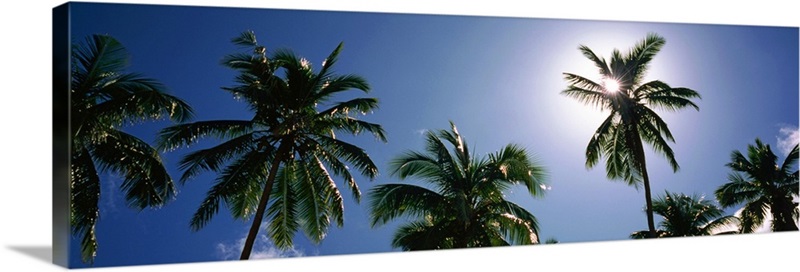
[(104, 99), (631, 120), (281, 162), (684, 215), (466, 206), (763, 186)]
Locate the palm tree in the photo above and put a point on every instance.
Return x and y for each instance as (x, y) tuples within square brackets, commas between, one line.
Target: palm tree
[(281, 161), (631, 120), (104, 99), (688, 215), (763, 186), (466, 207)]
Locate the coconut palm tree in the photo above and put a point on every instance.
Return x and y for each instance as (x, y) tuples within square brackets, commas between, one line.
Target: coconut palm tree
[(281, 162), (103, 100), (631, 120), (688, 215), (465, 205), (763, 187)]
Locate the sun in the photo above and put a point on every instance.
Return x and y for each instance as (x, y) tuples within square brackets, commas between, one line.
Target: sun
[(611, 85)]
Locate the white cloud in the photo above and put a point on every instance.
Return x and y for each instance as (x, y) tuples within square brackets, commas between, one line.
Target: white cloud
[(263, 248), (788, 137)]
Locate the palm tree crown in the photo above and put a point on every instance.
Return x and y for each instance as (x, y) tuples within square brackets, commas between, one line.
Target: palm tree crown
[(282, 161), (631, 120), (467, 206), (688, 215), (103, 99), (763, 186)]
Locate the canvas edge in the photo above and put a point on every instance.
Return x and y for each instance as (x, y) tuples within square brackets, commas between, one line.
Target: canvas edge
[(61, 143)]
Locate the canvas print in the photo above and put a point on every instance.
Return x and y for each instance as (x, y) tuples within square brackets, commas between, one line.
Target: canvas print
[(197, 134)]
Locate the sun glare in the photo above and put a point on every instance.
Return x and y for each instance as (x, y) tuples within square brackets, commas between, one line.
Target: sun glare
[(611, 85)]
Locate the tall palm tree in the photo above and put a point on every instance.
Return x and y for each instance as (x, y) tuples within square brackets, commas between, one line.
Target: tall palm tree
[(282, 161), (466, 206), (104, 99), (763, 186), (631, 121), (688, 215)]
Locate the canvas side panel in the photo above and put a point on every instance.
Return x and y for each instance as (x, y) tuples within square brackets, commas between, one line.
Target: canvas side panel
[(61, 141)]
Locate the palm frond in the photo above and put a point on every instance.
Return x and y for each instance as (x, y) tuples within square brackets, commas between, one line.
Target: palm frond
[(283, 216), (753, 215), (181, 135), (518, 168), (147, 102), (594, 150), (651, 130), (313, 148), (341, 83), (246, 38), (660, 95), (414, 164), (84, 197), (389, 201), (98, 55), (421, 235), (738, 190), (517, 230), (351, 125), (600, 63), (361, 105), (239, 186), (790, 163), (146, 182), (212, 159), (354, 155), (641, 54)]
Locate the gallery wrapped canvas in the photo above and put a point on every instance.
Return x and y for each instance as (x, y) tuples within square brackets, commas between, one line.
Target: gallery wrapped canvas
[(199, 134)]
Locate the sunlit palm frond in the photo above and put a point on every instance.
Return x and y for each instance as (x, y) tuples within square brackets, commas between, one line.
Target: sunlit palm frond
[(352, 154), (176, 136), (519, 168), (146, 182), (283, 223), (84, 198), (517, 230)]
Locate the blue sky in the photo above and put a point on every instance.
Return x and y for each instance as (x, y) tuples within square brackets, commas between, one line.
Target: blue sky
[(498, 79)]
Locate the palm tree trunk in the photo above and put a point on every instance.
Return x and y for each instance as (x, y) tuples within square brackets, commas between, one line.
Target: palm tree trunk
[(651, 226), (262, 203), (649, 202)]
